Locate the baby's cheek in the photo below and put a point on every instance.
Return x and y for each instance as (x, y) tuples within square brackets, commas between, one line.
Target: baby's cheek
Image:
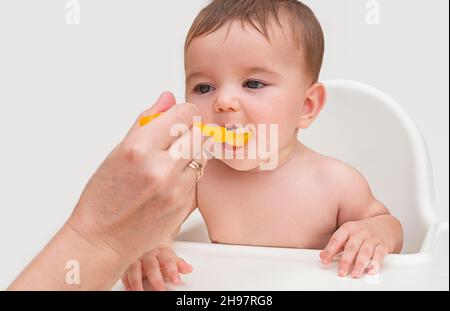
[(272, 134), (286, 132)]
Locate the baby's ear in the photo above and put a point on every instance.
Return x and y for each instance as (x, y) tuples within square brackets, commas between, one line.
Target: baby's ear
[(315, 99)]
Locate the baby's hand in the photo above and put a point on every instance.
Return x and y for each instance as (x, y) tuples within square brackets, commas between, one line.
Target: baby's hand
[(363, 245), (156, 265)]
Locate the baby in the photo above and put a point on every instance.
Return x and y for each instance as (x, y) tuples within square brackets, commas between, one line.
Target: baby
[(258, 62)]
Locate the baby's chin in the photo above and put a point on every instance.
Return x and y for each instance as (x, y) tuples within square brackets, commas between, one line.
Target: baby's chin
[(242, 165), (243, 159)]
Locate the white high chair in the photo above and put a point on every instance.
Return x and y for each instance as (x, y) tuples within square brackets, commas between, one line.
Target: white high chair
[(370, 131)]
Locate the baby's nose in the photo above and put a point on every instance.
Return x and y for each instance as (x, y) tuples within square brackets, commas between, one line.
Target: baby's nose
[(227, 104)]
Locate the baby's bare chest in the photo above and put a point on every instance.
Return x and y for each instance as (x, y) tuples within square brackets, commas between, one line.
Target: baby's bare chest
[(295, 214)]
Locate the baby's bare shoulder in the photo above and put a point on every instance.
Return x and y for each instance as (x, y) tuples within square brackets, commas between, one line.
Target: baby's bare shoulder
[(336, 173), (350, 188)]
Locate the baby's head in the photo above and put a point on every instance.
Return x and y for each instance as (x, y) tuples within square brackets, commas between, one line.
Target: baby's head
[(256, 62)]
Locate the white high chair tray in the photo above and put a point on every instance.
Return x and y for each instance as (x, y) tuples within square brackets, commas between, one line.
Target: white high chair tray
[(224, 267), (239, 268)]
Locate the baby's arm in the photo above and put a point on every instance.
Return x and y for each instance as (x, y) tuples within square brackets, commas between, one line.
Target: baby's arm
[(367, 231), (157, 265)]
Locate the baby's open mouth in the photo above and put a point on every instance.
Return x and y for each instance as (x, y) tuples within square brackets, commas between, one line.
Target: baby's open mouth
[(238, 129), (236, 136)]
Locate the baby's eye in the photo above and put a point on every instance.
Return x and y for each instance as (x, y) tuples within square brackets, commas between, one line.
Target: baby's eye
[(203, 88), (253, 84)]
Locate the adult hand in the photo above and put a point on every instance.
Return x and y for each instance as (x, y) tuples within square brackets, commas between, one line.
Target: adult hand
[(140, 193), (137, 197)]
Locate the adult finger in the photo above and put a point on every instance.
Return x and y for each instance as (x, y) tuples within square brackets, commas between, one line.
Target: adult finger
[(166, 129), (192, 174), (165, 101), (188, 147)]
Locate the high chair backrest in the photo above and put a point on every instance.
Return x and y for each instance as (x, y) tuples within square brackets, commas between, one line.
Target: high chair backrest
[(370, 131)]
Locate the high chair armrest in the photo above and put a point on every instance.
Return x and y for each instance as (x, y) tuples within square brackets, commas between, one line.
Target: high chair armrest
[(436, 239)]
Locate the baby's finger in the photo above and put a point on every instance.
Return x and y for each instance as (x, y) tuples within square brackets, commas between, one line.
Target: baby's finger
[(153, 272), (168, 264), (377, 260), (135, 276), (183, 266), (362, 260), (335, 245), (125, 281), (348, 257)]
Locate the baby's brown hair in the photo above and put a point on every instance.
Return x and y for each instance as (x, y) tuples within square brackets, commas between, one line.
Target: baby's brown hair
[(307, 32)]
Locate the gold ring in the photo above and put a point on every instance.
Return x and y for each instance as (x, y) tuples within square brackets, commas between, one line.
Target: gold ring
[(198, 168)]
